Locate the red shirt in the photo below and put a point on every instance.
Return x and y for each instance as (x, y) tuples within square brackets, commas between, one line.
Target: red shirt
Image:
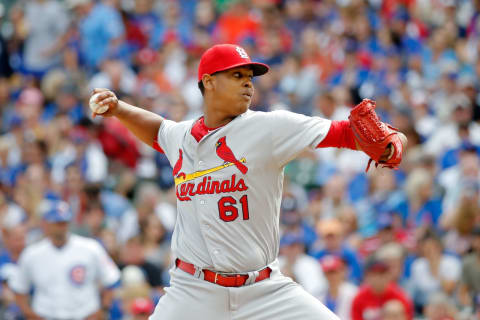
[(368, 306)]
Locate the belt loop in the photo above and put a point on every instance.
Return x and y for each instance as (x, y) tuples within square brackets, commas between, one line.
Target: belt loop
[(252, 276), (198, 272)]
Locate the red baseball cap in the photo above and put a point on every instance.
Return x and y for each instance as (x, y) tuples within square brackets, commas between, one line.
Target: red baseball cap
[(331, 263), (222, 57), (142, 306)]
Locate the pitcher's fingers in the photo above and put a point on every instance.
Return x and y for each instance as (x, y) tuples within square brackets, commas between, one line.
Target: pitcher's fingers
[(102, 96), (96, 90), (107, 101)]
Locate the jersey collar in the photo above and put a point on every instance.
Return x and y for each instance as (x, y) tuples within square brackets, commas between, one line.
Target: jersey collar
[(199, 130)]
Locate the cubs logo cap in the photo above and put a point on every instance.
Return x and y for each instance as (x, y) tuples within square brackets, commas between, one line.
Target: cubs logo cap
[(222, 57), (58, 212)]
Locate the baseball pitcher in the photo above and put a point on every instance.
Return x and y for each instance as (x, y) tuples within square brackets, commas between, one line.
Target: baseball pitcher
[(228, 169)]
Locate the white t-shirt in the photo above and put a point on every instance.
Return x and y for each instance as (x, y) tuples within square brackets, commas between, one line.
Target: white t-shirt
[(424, 283), (346, 293), (309, 274), (66, 280)]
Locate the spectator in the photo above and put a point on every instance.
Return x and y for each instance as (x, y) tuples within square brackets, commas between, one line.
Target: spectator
[(155, 241), (393, 254), (460, 129), (302, 268), (65, 102), (385, 199), (136, 295), (68, 284), (291, 221), (424, 206), (89, 154), (14, 240), (101, 31), (141, 309), (143, 26), (440, 307), (47, 23), (11, 215), (116, 75), (120, 216), (458, 181), (394, 310), (390, 230), (331, 233), (433, 271), (467, 216), (340, 292), (133, 253), (469, 289), (348, 217), (236, 24), (93, 221), (376, 291), (5, 67), (335, 196)]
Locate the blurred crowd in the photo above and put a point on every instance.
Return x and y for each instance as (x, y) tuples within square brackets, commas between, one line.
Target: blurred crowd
[(379, 245)]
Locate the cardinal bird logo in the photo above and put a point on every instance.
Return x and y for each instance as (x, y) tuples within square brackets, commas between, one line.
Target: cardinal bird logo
[(226, 154), (178, 165)]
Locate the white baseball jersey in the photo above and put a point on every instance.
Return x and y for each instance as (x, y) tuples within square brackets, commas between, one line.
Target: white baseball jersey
[(66, 280), (229, 186)]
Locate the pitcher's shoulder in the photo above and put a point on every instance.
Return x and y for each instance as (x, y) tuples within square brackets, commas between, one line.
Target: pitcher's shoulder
[(265, 115)]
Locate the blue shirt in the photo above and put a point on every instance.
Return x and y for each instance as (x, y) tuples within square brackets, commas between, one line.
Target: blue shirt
[(102, 24), (429, 213)]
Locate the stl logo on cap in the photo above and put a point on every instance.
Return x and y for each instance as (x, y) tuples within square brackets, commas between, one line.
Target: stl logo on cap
[(243, 54), (222, 57)]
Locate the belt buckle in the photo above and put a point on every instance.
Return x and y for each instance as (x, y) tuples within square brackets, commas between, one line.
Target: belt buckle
[(216, 276)]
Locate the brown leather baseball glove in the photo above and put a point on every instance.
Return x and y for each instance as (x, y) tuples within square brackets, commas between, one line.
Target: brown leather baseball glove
[(374, 136)]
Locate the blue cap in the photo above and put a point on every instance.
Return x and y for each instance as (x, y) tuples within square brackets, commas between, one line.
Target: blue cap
[(291, 238), (15, 121), (384, 221), (374, 264), (59, 212), (467, 146), (288, 204)]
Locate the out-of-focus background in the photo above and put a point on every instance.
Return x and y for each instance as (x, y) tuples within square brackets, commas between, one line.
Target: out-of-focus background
[(419, 59)]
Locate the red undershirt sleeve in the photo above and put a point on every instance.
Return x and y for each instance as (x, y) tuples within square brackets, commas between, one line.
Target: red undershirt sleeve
[(157, 147), (340, 135)]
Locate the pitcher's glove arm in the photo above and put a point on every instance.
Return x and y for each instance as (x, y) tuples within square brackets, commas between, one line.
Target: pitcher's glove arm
[(375, 137)]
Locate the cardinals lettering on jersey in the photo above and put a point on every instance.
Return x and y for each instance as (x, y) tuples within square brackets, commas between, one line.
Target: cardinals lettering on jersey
[(185, 188)]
